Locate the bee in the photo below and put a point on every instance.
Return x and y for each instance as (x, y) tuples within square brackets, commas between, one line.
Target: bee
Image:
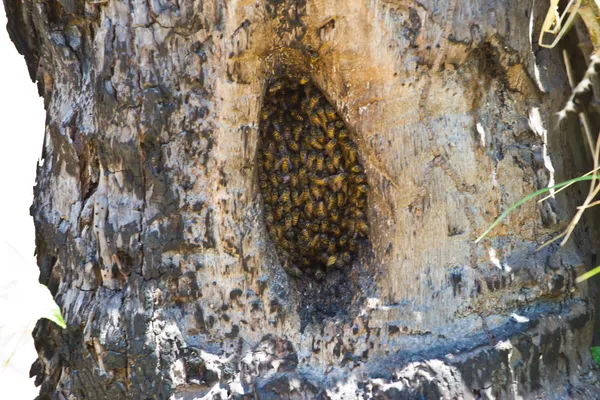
[(287, 207), (295, 217), (346, 257), (356, 213), (314, 228), (343, 240), (275, 87), (269, 218), (314, 143), (331, 202), (304, 261), (288, 222), (360, 203), (305, 235), (314, 119), (294, 146), (362, 188), (331, 261), (273, 197), (335, 230), (294, 98), (272, 232), (330, 167), (323, 226), (304, 105), (330, 112), (344, 223), (295, 198), (267, 164), (318, 134), (303, 80), (311, 159), (330, 131), (320, 162), (319, 181), (285, 165), (331, 247), (308, 209), (285, 196), (285, 244), (342, 134), (296, 115), (312, 102), (356, 168), (282, 149), (353, 245), (321, 210), (269, 152), (360, 178), (296, 132), (351, 153), (316, 192), (264, 184), (322, 118), (273, 179), (302, 175), (294, 180), (287, 133), (351, 225), (335, 181), (277, 136), (304, 156), (337, 156), (280, 114), (278, 212), (329, 147), (304, 196), (362, 227), (323, 241), (265, 114), (314, 243), (296, 161)]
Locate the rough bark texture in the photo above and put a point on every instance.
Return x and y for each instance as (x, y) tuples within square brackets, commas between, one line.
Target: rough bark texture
[(149, 217)]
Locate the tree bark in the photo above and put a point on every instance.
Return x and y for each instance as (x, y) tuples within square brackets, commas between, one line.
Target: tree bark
[(149, 216)]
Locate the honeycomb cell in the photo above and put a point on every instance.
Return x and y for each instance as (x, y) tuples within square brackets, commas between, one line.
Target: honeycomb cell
[(313, 186)]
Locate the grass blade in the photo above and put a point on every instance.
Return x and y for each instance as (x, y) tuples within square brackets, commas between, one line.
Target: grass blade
[(531, 196), (588, 274)]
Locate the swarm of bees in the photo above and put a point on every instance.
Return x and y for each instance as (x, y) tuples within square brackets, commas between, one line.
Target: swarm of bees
[(313, 185)]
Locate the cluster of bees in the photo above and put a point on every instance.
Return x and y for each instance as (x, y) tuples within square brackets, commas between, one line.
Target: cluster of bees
[(313, 185)]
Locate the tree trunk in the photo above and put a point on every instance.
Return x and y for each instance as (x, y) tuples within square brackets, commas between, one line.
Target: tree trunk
[(149, 212)]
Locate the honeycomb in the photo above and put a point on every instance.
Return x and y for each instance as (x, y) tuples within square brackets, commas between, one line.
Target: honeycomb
[(313, 186)]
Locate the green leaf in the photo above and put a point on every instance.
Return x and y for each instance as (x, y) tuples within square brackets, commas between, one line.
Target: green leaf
[(56, 317), (48, 308), (595, 353), (531, 196)]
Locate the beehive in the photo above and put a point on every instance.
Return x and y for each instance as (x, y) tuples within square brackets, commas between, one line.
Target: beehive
[(313, 185)]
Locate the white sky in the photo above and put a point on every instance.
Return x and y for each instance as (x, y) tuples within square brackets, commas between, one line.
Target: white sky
[(22, 118)]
